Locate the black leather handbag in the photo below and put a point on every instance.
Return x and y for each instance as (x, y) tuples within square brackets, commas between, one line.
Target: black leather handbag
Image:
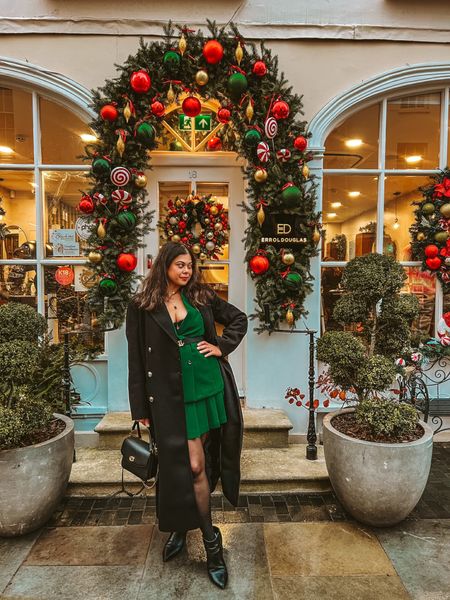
[(140, 457)]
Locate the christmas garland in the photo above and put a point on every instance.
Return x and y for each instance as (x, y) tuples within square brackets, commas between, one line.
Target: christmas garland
[(260, 117), (431, 230), (199, 223)]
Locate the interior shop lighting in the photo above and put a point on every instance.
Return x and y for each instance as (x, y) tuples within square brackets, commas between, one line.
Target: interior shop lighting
[(6, 150), (396, 224), (353, 143), (88, 137), (332, 215), (336, 204), (413, 159), (354, 194)]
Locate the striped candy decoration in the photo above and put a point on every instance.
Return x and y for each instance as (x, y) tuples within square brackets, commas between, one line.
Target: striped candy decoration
[(121, 196), (271, 127), (120, 176), (100, 198), (263, 151), (284, 154)]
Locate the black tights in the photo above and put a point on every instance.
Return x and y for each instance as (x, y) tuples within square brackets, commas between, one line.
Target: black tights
[(203, 500)]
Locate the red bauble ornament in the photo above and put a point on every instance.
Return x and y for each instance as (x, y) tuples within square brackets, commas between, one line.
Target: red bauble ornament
[(213, 52), (191, 106), (259, 264), (157, 108), (433, 263), (109, 113), (431, 251), (259, 68), (140, 81), (280, 110), (126, 261), (86, 205), (223, 115), (215, 143), (300, 143)]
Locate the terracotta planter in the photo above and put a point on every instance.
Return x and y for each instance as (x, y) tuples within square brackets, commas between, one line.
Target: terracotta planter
[(33, 481), (378, 484)]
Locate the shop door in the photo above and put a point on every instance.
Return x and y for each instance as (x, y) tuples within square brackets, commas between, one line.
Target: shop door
[(228, 275)]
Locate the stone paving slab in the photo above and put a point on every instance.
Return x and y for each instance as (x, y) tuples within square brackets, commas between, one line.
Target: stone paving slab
[(12, 552), (420, 553)]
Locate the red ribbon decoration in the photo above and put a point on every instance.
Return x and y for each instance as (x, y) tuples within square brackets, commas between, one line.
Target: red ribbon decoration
[(262, 203), (284, 273), (236, 68)]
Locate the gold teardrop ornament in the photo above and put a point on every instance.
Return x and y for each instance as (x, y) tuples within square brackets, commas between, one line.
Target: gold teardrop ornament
[(289, 317), (170, 94), (120, 145), (127, 112), (101, 231), (249, 112), (260, 215), (182, 44), (305, 171), (239, 53)]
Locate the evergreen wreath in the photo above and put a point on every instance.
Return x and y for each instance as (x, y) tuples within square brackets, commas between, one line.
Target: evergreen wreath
[(261, 122), (199, 223), (431, 230)]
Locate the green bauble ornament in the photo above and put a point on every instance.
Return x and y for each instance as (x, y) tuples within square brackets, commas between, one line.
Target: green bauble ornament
[(101, 166), (441, 237), (146, 134), (171, 60), (428, 208), (252, 137), (108, 286), (291, 195), (126, 220), (237, 84), (176, 146), (293, 280)]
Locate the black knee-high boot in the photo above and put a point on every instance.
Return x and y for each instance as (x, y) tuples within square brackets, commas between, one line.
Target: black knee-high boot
[(217, 569)]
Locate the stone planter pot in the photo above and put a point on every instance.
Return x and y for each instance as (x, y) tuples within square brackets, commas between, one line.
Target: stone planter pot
[(33, 481), (378, 484)]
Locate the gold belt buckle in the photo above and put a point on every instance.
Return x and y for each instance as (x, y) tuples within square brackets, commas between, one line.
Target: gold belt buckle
[(181, 343)]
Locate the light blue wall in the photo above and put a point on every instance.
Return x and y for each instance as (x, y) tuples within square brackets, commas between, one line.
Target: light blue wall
[(117, 371)]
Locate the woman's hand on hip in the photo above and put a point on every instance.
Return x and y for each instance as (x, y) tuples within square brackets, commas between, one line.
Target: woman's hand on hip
[(208, 349), (145, 422)]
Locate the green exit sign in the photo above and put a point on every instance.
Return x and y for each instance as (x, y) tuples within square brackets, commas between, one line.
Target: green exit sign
[(202, 123)]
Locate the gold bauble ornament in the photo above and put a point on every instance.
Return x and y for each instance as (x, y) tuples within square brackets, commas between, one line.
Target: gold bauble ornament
[(182, 44), (249, 112), (95, 257), (305, 171), (420, 236), (260, 215), (201, 77), (289, 317), (316, 236), (101, 231), (170, 94), (127, 112), (196, 249), (214, 210), (260, 175), (239, 53), (120, 145), (445, 210), (202, 256), (288, 258), (206, 221), (178, 202), (176, 238), (218, 226), (94, 322), (140, 181)]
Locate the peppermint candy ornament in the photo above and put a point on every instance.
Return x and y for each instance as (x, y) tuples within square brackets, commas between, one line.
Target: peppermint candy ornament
[(121, 197), (100, 198), (263, 151), (271, 127), (400, 362), (284, 154), (120, 176)]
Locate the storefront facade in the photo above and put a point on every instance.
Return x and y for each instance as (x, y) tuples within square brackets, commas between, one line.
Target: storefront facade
[(381, 77)]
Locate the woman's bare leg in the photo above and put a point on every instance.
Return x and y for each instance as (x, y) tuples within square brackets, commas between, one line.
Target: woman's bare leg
[(201, 485)]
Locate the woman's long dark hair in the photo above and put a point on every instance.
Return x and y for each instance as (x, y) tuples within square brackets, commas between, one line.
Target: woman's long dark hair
[(154, 287)]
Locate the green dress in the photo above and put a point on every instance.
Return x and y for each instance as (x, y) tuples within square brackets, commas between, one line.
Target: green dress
[(203, 386)]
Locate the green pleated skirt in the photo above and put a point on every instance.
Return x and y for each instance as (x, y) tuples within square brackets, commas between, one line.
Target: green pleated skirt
[(206, 414)]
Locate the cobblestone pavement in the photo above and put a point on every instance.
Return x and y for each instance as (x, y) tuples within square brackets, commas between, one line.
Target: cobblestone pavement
[(280, 547)]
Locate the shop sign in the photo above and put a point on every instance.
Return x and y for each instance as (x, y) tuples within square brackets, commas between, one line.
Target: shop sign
[(64, 275), (83, 227), (283, 230), (85, 278), (64, 243)]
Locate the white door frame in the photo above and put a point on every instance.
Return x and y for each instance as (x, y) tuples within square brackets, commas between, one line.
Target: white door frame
[(182, 169)]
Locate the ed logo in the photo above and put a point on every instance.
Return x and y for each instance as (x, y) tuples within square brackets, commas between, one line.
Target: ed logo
[(283, 228)]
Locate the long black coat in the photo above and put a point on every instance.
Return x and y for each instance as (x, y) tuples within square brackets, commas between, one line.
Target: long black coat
[(156, 391)]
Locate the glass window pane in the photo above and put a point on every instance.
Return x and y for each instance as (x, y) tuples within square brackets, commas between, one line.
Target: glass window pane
[(423, 285), (331, 292), (349, 216), (16, 126), (61, 132), (62, 219), (18, 284), (400, 193), (413, 130), (17, 215), (65, 296), (354, 143)]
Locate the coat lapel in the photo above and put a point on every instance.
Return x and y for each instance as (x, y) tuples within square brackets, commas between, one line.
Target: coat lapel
[(162, 317)]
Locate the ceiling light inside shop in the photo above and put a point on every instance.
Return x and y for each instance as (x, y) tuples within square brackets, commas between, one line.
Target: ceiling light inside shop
[(413, 159), (354, 194), (353, 143), (396, 224), (332, 215), (336, 204), (88, 137), (6, 150)]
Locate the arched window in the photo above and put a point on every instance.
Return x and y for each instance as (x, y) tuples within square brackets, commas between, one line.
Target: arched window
[(375, 160), (42, 139)]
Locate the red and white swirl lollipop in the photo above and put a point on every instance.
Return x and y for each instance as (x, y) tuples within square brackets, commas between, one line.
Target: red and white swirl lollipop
[(284, 154), (271, 127), (100, 198), (263, 151), (121, 197), (120, 176)]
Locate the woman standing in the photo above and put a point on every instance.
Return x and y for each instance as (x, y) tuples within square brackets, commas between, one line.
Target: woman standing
[(183, 389)]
